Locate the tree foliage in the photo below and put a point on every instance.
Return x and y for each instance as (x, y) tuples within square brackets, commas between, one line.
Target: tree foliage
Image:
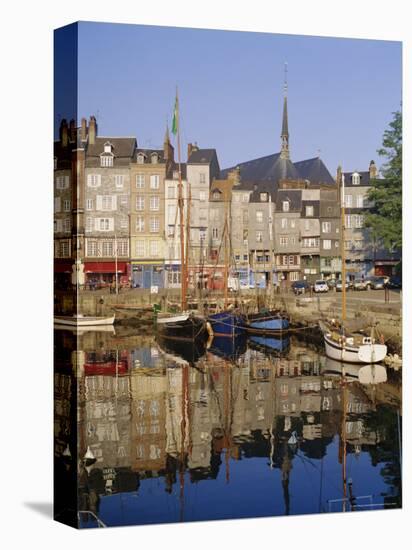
[(385, 217)]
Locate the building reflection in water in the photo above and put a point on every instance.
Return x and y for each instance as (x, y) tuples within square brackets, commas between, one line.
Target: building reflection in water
[(145, 413)]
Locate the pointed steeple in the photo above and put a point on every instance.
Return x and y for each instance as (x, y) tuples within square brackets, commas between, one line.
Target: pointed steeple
[(284, 153)]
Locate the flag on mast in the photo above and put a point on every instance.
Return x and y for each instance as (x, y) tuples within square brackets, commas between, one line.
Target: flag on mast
[(175, 116)]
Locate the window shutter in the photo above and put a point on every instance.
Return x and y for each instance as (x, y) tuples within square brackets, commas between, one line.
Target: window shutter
[(57, 204), (99, 202), (66, 181), (114, 202), (111, 224), (97, 224)]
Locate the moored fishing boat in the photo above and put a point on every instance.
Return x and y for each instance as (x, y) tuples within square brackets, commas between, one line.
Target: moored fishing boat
[(184, 327), (227, 323), (79, 320), (267, 322)]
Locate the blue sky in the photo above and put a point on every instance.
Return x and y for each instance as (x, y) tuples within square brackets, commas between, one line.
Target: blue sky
[(341, 92)]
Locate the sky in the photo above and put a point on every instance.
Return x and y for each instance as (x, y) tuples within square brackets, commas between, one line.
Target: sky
[(341, 92)]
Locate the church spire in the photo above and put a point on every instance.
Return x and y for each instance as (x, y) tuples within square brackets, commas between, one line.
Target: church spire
[(284, 153)]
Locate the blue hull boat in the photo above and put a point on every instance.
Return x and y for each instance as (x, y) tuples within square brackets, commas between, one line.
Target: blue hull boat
[(227, 323), (267, 323)]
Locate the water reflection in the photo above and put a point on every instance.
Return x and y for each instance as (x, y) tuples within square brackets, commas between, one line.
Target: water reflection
[(228, 431)]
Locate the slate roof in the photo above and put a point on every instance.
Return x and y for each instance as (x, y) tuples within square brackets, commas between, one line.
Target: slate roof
[(202, 156), (148, 153), (274, 168), (364, 178), (123, 147), (294, 196), (263, 187), (315, 205)]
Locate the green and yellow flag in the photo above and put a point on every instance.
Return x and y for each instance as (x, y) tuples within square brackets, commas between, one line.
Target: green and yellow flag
[(175, 121)]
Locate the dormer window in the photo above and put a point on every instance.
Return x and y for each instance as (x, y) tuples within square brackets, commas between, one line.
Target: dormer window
[(216, 194), (106, 160), (140, 158), (108, 147), (355, 178), (309, 211), (285, 206), (263, 197), (154, 158)]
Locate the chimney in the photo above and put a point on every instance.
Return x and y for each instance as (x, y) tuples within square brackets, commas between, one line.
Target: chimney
[(92, 130), (72, 131), (189, 150), (373, 171), (83, 131), (64, 133), (339, 174)]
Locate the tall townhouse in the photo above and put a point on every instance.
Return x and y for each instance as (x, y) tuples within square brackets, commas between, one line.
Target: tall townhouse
[(241, 192), (310, 234), (262, 234), (202, 168), (287, 235), (106, 207), (63, 184), (330, 236), (147, 215), (365, 255)]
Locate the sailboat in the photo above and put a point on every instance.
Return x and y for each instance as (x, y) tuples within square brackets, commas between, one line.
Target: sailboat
[(229, 322), (186, 326), (340, 343)]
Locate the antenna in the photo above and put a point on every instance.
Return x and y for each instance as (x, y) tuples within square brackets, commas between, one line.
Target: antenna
[(285, 83)]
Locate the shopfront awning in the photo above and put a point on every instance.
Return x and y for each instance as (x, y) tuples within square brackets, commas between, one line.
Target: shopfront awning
[(105, 267)]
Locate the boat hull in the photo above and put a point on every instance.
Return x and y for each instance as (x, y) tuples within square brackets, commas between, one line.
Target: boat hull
[(269, 324), (227, 324), (365, 353), (83, 321), (185, 328)]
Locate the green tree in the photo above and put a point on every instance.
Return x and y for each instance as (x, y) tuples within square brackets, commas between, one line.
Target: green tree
[(385, 217)]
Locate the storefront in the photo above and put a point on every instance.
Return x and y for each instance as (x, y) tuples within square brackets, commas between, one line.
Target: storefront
[(147, 275), (62, 274), (101, 274), (385, 268)]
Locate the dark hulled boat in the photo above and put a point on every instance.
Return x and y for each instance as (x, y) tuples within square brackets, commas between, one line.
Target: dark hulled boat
[(227, 323), (184, 327)]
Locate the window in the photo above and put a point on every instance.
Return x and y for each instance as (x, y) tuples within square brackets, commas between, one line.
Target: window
[(91, 248), (154, 158), (89, 225), (106, 161), (66, 225), (237, 257), (348, 201), (359, 201), (107, 202), (216, 195), (259, 216), (122, 248), (284, 223), (291, 260), (245, 197), (292, 223), (202, 235), (89, 204), (294, 276), (93, 180), (118, 181), (309, 210), (154, 181), (64, 248), (62, 182), (57, 204), (245, 257), (104, 224), (171, 192), (107, 248), (285, 206), (293, 240), (348, 221), (259, 236), (215, 233), (355, 178), (139, 181), (154, 224), (140, 224), (348, 245), (124, 223), (326, 227), (310, 242), (263, 197), (140, 248), (140, 158), (245, 236), (107, 147), (202, 196), (154, 202), (327, 244), (202, 177), (140, 202), (154, 248), (283, 240), (358, 220)]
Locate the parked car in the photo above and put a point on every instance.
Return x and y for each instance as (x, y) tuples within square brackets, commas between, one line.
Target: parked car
[(378, 283), (395, 282), (331, 283), (339, 285), (320, 286), (300, 287), (360, 284)]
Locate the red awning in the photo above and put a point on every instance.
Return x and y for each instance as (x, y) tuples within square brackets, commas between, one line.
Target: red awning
[(105, 267)]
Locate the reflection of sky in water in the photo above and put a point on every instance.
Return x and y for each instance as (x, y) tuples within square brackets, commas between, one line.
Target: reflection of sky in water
[(304, 478)]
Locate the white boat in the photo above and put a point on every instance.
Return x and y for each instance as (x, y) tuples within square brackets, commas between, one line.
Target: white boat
[(80, 320)]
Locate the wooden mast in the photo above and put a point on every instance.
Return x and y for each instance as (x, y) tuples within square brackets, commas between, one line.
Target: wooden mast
[(343, 276), (183, 276), (226, 271)]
